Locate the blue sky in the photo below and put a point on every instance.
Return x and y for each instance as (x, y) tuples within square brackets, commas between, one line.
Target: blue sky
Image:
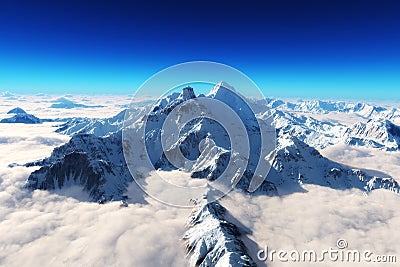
[(311, 49)]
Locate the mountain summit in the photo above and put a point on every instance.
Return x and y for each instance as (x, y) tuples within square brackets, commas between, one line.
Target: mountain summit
[(20, 116), (17, 110), (102, 171)]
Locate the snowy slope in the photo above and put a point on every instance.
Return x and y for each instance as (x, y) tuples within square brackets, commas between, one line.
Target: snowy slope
[(98, 164), (316, 133), (98, 127), (378, 134), (298, 120), (213, 241), (213, 161), (295, 164)]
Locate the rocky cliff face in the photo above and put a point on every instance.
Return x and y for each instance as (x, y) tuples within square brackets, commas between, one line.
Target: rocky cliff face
[(208, 133), (95, 163)]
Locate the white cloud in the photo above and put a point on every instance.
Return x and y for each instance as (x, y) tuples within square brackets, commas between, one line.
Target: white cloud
[(21, 143), (369, 159), (46, 229), (39, 105), (317, 219), (50, 230), (59, 228)]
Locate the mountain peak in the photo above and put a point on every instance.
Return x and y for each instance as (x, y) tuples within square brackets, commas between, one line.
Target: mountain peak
[(63, 102), (17, 110), (221, 87), (187, 93), (211, 240)]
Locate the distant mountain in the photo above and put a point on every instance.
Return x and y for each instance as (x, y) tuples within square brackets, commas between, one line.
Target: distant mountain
[(17, 110), (295, 163), (378, 134), (297, 120), (316, 133), (6, 94), (286, 118), (364, 110), (95, 126), (63, 102), (20, 116)]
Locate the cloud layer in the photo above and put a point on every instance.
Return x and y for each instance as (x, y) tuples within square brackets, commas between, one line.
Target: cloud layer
[(369, 159), (318, 218), (59, 228), (49, 229)]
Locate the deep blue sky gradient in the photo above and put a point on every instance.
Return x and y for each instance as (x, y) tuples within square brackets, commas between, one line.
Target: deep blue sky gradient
[(320, 48)]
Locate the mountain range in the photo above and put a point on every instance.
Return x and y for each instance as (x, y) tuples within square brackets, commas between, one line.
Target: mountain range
[(94, 157)]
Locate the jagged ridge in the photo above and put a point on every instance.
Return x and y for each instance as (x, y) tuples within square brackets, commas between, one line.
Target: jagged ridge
[(95, 163), (213, 241)]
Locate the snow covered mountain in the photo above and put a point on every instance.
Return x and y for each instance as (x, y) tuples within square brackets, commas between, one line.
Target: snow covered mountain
[(94, 159), (97, 127), (379, 134), (373, 130), (95, 163), (294, 118), (365, 110), (20, 116), (98, 164), (203, 132), (296, 163), (17, 110), (316, 133), (65, 103), (213, 241)]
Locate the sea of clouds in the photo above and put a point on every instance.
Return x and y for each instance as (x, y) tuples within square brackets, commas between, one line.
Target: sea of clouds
[(43, 228), (317, 219), (56, 228), (375, 162)]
